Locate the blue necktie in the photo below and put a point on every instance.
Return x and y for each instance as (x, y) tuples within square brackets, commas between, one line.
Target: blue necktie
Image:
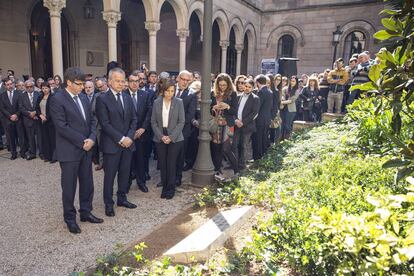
[(79, 107), (118, 99)]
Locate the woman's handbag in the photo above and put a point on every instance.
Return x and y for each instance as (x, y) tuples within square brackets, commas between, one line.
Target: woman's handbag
[(276, 122)]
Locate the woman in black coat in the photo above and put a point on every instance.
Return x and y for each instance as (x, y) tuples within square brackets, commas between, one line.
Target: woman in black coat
[(47, 129)]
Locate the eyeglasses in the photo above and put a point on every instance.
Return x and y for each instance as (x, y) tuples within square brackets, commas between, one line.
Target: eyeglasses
[(187, 80), (79, 83), (134, 81)]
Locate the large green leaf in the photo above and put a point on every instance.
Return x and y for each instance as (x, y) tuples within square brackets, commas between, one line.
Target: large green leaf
[(374, 73), (384, 35), (389, 23), (364, 87)]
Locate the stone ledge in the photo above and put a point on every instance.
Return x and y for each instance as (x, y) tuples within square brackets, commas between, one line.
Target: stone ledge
[(327, 117), (298, 125), (203, 242)]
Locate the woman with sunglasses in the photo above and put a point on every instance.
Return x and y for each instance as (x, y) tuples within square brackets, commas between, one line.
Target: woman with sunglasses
[(239, 83), (288, 106)]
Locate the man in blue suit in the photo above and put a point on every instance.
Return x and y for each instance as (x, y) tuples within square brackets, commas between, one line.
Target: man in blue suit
[(75, 136), (117, 117), (142, 105)]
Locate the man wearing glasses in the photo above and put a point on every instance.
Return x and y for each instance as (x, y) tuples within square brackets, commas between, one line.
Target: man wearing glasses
[(29, 109), (75, 136)]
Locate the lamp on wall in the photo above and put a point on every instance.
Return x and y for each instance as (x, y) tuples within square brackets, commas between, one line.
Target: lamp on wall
[(336, 38), (88, 10)]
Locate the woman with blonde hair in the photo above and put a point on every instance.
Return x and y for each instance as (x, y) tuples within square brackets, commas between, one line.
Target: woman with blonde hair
[(224, 109), (309, 96)]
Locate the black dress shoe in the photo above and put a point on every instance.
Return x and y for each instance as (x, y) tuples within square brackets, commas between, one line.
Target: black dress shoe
[(147, 176), (126, 204), (109, 212), (23, 155), (92, 219), (30, 157), (74, 228), (14, 156), (143, 187), (178, 183), (53, 161), (170, 196), (163, 195)]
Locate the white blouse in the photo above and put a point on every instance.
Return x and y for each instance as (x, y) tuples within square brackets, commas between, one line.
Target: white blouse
[(165, 113)]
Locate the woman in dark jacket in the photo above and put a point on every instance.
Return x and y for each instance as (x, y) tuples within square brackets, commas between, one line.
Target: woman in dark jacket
[(47, 129), (224, 109), (311, 104), (276, 88)]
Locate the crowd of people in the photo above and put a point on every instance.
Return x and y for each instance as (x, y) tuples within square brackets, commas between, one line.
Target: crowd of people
[(120, 121)]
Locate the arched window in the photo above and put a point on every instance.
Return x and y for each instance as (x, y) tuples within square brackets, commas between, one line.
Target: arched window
[(285, 46), (354, 43)]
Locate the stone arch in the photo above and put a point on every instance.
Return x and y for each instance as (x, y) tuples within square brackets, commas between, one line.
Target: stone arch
[(278, 32), (364, 26), (180, 9), (149, 10), (250, 31), (223, 23), (198, 8), (237, 24)]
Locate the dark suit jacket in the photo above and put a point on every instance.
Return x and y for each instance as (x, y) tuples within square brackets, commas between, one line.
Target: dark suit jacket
[(71, 128), (25, 107), (7, 109), (143, 111), (190, 106), (176, 120), (250, 111), (114, 122), (265, 110)]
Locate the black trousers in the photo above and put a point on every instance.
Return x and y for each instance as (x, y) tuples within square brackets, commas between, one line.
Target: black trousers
[(217, 153), (1, 134), (116, 164), (181, 159), (71, 172), (192, 148), (15, 135), (140, 160), (241, 140), (47, 131), (259, 141), (32, 133), (168, 156)]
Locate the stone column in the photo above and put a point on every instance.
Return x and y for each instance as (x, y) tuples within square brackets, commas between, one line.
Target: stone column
[(224, 44), (182, 35), (55, 8), (112, 18), (152, 27), (239, 49)]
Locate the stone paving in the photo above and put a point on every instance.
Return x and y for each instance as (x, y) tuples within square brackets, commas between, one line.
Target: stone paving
[(33, 237)]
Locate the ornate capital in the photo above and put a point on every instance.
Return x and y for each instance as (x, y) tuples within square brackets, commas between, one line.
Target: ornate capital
[(224, 43), (239, 47), (55, 6), (183, 33), (152, 27), (111, 18)]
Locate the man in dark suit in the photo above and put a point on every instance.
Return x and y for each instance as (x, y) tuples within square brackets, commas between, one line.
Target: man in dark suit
[(28, 109), (245, 125), (259, 138), (118, 121), (75, 136), (190, 105), (10, 116), (142, 106)]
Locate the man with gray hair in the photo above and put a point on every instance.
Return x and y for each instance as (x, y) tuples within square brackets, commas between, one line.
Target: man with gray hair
[(360, 75), (182, 91), (117, 117), (29, 111)]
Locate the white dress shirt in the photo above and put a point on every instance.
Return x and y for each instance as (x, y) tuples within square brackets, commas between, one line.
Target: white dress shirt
[(79, 103), (165, 113), (243, 101)]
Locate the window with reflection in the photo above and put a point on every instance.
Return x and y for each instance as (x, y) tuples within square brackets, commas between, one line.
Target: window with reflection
[(354, 44), (285, 46)]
